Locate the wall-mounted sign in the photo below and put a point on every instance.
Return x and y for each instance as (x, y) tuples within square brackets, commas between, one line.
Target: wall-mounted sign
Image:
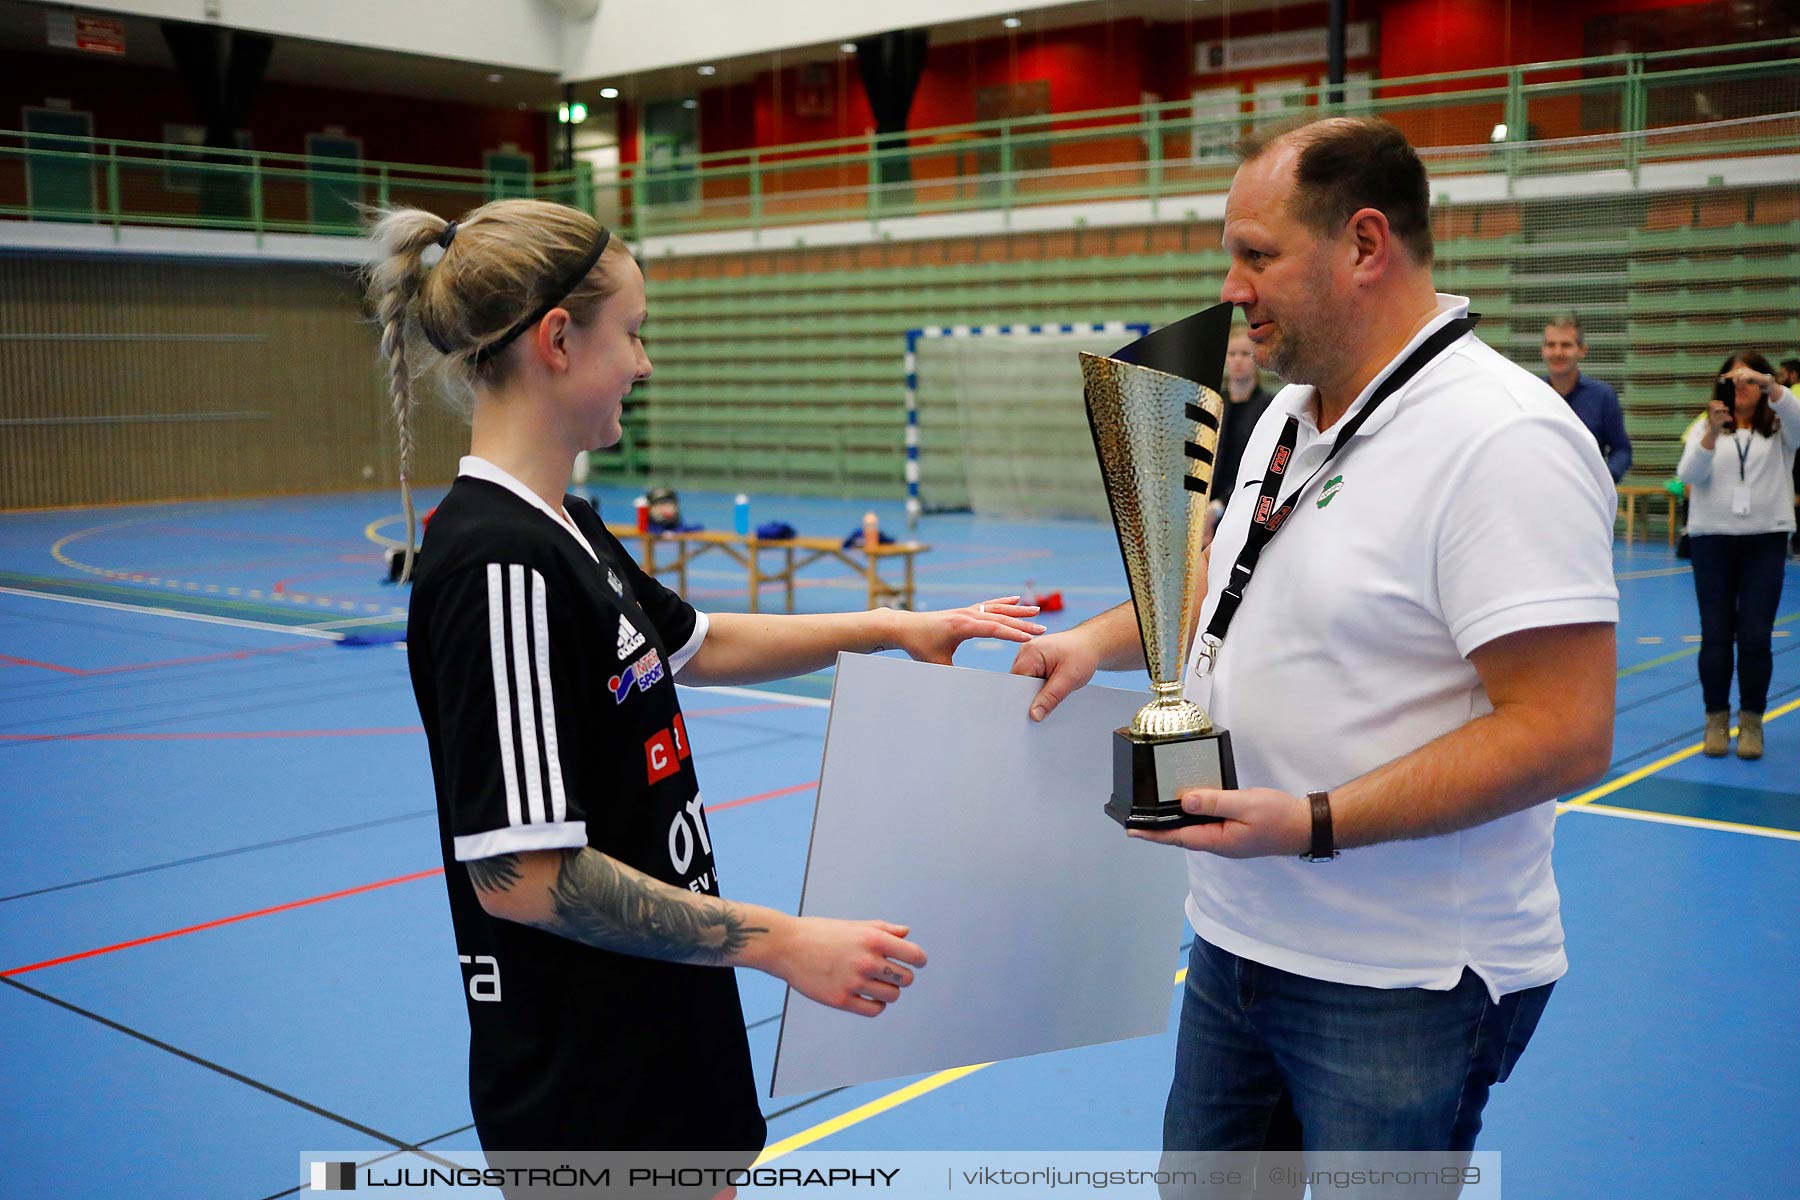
[(1277, 49), (76, 31), (814, 91)]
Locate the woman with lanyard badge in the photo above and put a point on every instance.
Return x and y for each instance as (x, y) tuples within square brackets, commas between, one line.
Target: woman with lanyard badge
[(586, 904), (1738, 465)]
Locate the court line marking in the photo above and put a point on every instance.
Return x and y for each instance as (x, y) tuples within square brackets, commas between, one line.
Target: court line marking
[(1582, 803), (215, 924), (310, 900), (1661, 818), (125, 668), (1691, 651), (1667, 760), (1653, 573), (227, 735), (755, 694), (786, 791), (227, 1072), (382, 539), (233, 852), (221, 735), (56, 552), (314, 631)]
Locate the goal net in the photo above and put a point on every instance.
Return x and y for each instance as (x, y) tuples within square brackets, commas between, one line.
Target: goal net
[(996, 423)]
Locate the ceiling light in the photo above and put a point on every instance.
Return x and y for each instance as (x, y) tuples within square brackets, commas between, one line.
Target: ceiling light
[(495, 77), (571, 114), (709, 69), (690, 102), (1012, 22), (846, 47), (609, 93)]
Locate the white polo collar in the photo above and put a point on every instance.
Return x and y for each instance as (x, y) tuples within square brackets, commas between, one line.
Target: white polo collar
[(1299, 400), (474, 467)]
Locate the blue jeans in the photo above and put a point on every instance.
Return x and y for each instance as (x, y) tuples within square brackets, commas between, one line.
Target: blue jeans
[(1737, 579), (1271, 1061)]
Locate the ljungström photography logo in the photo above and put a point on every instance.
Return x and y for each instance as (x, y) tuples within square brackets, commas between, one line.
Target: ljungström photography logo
[(334, 1177)]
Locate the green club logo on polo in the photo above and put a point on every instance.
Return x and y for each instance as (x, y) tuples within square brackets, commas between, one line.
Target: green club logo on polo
[(1332, 487)]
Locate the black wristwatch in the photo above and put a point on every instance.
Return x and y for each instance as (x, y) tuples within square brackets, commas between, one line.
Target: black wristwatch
[(1322, 848)]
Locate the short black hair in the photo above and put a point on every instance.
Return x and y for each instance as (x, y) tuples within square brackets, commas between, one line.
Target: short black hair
[(1352, 163)]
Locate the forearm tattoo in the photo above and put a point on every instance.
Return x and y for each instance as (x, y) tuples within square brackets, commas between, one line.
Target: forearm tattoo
[(496, 874), (599, 903)]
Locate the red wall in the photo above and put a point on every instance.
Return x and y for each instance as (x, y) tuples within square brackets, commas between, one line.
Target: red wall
[(1111, 64), (132, 103)]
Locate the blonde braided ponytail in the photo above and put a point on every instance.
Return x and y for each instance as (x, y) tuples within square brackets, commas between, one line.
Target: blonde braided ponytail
[(401, 238)]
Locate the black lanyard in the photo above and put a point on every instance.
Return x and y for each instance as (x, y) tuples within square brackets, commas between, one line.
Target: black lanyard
[(1743, 449), (1267, 520)]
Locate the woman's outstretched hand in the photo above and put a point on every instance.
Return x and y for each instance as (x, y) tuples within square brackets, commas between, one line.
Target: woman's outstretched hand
[(934, 636)]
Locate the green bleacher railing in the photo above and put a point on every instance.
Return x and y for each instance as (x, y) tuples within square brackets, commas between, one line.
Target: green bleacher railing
[(1159, 152)]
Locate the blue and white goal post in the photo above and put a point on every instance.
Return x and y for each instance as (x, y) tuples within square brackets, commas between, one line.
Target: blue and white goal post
[(995, 421)]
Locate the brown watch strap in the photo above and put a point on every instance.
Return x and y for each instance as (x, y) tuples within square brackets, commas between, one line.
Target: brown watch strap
[(1323, 848)]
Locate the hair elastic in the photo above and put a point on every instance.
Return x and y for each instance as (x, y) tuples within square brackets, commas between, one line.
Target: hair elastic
[(448, 236)]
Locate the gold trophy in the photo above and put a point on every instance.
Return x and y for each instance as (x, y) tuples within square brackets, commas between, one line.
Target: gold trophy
[(1156, 430)]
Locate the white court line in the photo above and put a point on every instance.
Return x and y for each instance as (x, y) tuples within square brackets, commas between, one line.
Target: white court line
[(328, 631), (204, 618), (353, 622), (755, 694), (1656, 818)]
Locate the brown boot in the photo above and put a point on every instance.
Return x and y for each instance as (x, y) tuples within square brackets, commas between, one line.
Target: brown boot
[(1718, 734), (1750, 735)]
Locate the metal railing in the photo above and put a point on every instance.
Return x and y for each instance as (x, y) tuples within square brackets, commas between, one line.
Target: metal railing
[(1513, 121)]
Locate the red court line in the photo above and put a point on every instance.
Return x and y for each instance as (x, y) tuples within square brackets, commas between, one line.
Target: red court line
[(261, 912), (337, 895), (32, 662), (226, 735), (786, 791)]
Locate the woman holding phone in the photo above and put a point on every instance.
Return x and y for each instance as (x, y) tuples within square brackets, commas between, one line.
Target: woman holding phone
[(1738, 467)]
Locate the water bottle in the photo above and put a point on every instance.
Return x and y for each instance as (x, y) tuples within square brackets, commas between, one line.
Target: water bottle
[(642, 504), (740, 515)]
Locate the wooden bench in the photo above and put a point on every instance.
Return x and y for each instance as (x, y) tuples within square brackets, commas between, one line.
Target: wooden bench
[(673, 551), (1630, 492)]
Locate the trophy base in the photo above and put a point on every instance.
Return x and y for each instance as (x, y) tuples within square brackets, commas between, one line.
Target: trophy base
[(1149, 773)]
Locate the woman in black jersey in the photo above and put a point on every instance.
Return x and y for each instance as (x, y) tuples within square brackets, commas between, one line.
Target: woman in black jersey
[(586, 903)]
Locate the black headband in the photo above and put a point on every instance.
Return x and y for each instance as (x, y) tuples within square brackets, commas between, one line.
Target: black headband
[(558, 294)]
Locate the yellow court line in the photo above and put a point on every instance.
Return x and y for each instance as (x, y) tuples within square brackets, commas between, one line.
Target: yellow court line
[(1625, 781), (382, 539), (876, 1107), (56, 550), (863, 1112)]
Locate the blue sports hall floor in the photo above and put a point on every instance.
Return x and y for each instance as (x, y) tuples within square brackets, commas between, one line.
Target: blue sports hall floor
[(224, 939)]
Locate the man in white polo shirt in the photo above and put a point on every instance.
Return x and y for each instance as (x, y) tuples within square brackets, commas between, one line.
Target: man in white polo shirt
[(1421, 659)]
